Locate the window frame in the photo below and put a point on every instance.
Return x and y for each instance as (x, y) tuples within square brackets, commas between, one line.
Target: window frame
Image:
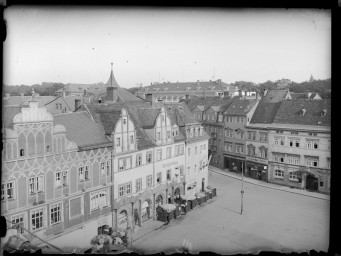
[(277, 172), (60, 213)]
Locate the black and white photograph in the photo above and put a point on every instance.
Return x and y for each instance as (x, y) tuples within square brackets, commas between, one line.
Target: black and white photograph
[(166, 130)]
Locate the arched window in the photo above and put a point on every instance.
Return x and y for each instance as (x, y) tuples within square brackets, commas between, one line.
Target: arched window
[(159, 200)]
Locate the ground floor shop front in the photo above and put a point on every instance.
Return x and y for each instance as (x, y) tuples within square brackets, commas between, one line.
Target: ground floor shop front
[(309, 178), (256, 170), (234, 163)]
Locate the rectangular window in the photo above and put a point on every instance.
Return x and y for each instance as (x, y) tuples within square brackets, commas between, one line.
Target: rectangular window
[(181, 149), (56, 213), (242, 119), (176, 150), (103, 171), (121, 190), (168, 174), (296, 133), (158, 154), (264, 153), (251, 151), (118, 142), (278, 158), (40, 183), (251, 135), (121, 164), (149, 181), (293, 176), (279, 141), (240, 149), (230, 119), (98, 200), (220, 118), (9, 189), (313, 162), (84, 173), (158, 136), (279, 174), (181, 170), (128, 188), (169, 152), (149, 157), (18, 220), (108, 168), (138, 160), (58, 179), (138, 185), (312, 144), (37, 218), (263, 137), (158, 178)]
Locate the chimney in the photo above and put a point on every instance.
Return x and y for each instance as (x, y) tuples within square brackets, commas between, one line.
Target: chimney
[(77, 103), (150, 98)]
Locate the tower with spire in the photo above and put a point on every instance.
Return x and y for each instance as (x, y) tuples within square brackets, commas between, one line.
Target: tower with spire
[(111, 85)]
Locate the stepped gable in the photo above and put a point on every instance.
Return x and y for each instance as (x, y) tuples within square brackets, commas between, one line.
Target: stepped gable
[(82, 129), (315, 112), (109, 114)]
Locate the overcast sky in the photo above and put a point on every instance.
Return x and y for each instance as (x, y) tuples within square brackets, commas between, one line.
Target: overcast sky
[(149, 45)]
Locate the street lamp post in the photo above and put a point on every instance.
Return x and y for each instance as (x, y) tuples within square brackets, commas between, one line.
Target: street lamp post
[(242, 192)]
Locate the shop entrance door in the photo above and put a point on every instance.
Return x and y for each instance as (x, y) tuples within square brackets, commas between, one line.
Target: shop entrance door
[(311, 183), (226, 163)]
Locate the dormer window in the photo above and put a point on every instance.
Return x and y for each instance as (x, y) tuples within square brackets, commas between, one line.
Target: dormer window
[(220, 118), (324, 112), (302, 112)]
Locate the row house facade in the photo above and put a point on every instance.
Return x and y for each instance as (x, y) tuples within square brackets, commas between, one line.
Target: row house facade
[(52, 181), (107, 164), (148, 155), (257, 133), (236, 117), (300, 145)]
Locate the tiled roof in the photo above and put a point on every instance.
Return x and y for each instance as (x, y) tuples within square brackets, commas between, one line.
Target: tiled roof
[(8, 113), (91, 88), (81, 129), (108, 115), (268, 106), (172, 87), (265, 112), (289, 112), (240, 106), (120, 95), (19, 100), (273, 96), (296, 96), (207, 102), (148, 117)]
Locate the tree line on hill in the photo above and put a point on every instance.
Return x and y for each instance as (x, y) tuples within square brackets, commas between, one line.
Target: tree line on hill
[(323, 87), (44, 89)]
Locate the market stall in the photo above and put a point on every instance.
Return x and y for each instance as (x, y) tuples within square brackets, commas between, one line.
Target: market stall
[(191, 200), (165, 212)]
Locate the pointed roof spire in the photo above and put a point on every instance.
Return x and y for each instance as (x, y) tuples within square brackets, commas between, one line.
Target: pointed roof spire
[(112, 82)]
